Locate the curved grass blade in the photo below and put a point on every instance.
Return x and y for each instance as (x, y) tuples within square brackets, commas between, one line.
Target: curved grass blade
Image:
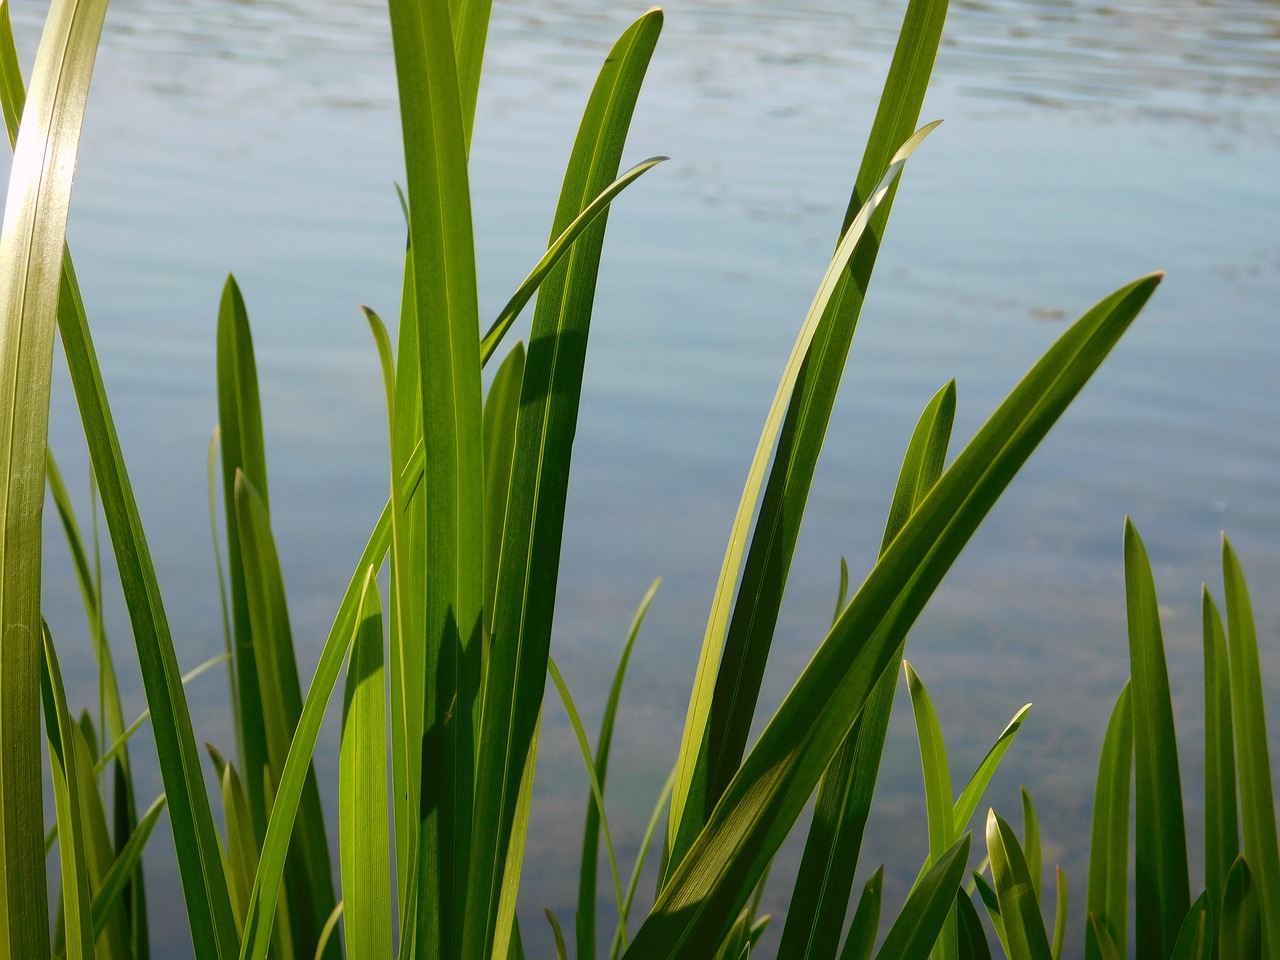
[(1257, 803), (981, 779), (1163, 889), (558, 248), (1060, 917), (561, 949), (688, 801), (916, 929), (326, 932), (1019, 905), (524, 602), (1108, 895), (31, 243), (866, 920), (775, 781), (1221, 817), (1242, 929)]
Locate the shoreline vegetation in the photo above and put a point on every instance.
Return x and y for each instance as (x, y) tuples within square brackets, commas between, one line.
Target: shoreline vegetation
[(442, 642)]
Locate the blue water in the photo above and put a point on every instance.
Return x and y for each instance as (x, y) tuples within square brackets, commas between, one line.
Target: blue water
[(1084, 145)]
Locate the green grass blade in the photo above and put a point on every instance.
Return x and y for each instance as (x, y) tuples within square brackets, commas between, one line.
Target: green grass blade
[(242, 846), (1243, 928), (750, 630), (866, 920), (362, 790), (655, 820), (31, 243), (1060, 917), (933, 760), (971, 937), (977, 785), (556, 251), (113, 941), (558, 933), (1257, 803), (506, 925), (1031, 842), (326, 932), (1221, 816), (470, 20), (1163, 889), (688, 802), (500, 410), (113, 891), (528, 568), (1108, 895), (585, 920), (1019, 905), (1195, 939), (991, 901), (1101, 938), (917, 927)]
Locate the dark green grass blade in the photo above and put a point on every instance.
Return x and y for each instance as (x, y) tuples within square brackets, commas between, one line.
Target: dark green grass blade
[(113, 893), (1257, 803), (991, 901), (866, 920), (243, 449), (1221, 817), (1163, 889), (1195, 939), (779, 775), (1243, 925), (31, 244), (750, 631), (528, 568), (242, 846), (1019, 905), (113, 942), (971, 937), (916, 929), (820, 898), (1108, 895), (500, 410), (1031, 842), (585, 920)]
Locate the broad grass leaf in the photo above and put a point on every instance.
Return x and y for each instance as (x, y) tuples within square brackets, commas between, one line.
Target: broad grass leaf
[(915, 931), (1019, 905), (1107, 900)]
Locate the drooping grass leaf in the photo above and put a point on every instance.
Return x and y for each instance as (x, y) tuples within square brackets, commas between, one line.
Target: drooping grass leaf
[(1019, 905), (1242, 928), (866, 920), (1163, 890), (1221, 817), (916, 929), (1107, 901)]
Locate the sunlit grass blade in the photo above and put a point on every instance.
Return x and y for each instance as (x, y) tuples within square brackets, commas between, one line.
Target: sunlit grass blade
[(515, 676), (1242, 929), (971, 938), (505, 925), (1019, 905), (933, 760), (364, 833), (916, 929), (585, 920), (241, 846), (1257, 803), (689, 800), (866, 920), (750, 631), (558, 248), (779, 775), (327, 931), (31, 244), (1108, 895), (1195, 939), (971, 796), (500, 409), (1221, 816), (1163, 890)]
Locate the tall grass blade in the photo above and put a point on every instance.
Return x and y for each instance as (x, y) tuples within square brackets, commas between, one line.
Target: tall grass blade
[(778, 776), (1257, 802), (933, 760), (114, 890), (866, 920), (655, 820), (1019, 905), (524, 603), (1162, 891), (470, 27), (31, 243), (1108, 895), (1221, 816), (1060, 917), (242, 845), (1243, 926), (969, 798), (500, 410), (1031, 842), (916, 929)]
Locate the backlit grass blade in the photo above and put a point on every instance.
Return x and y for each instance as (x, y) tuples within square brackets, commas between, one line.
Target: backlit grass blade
[(1257, 803), (1163, 891), (75, 871), (688, 801), (470, 28), (555, 252), (1031, 841), (585, 920), (1060, 917), (1195, 940), (506, 924), (916, 929), (965, 806), (750, 630), (1242, 929), (866, 920), (779, 774), (364, 833), (1108, 895), (327, 931), (524, 605), (991, 901), (1019, 905), (1221, 816), (31, 243), (500, 409), (971, 937), (820, 898), (933, 760)]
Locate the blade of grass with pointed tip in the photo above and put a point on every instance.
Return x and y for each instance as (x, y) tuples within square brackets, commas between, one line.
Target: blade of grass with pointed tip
[(1221, 817), (1031, 841), (1163, 889), (916, 929), (1019, 905), (1102, 941), (866, 920), (364, 833), (750, 630), (933, 760), (970, 936), (971, 796), (1195, 939), (991, 900), (1257, 803), (532, 529), (242, 847), (1108, 894), (31, 243), (585, 919), (1242, 929), (688, 801), (779, 774), (1060, 917)]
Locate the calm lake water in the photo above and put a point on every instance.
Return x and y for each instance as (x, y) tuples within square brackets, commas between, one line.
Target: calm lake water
[(1085, 145)]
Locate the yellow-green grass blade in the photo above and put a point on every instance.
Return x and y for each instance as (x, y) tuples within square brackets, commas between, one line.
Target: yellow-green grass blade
[(506, 925), (31, 243), (309, 883), (365, 835), (1019, 905), (77, 919), (933, 760), (820, 898), (916, 929), (241, 846), (1162, 893), (689, 800), (470, 28), (1195, 939), (326, 932), (524, 605), (991, 901), (866, 920), (655, 820), (1031, 842), (500, 409), (585, 920), (1101, 937), (1059, 916), (558, 933), (779, 775), (112, 942), (1107, 903), (1242, 929), (556, 251), (970, 936), (114, 890), (750, 630), (1221, 816), (1257, 803)]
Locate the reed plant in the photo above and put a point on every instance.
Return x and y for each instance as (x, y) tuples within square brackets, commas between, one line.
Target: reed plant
[(446, 659)]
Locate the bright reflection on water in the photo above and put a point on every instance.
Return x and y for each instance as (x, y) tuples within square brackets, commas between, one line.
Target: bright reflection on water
[(1085, 144)]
